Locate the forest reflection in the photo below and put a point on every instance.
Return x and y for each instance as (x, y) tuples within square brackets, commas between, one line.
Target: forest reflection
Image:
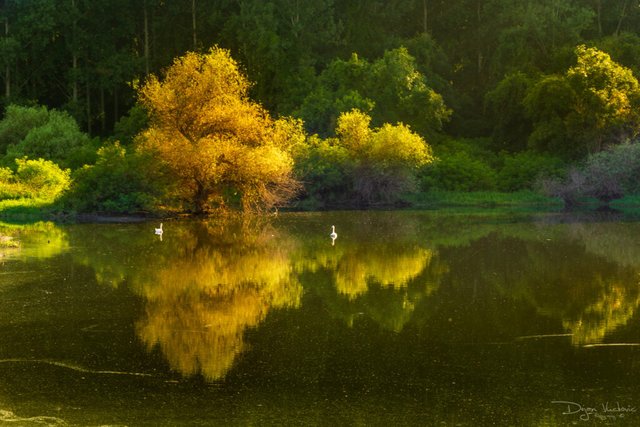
[(209, 282), (42, 239)]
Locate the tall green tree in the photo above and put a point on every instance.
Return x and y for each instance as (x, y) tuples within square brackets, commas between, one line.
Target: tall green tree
[(511, 125), (594, 104), (607, 100), (532, 32), (282, 43), (390, 89)]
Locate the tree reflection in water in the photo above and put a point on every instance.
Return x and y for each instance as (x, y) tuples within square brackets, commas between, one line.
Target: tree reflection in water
[(373, 270), (38, 240), (207, 283), (200, 301)]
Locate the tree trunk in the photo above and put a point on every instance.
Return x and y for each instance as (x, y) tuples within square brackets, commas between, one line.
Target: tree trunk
[(7, 70), (480, 57), (103, 113), (88, 110), (193, 24), (74, 95), (200, 198), (424, 17), (115, 105), (599, 16), (146, 40), (623, 13)]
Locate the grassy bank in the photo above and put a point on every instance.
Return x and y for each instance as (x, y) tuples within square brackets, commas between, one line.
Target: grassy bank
[(26, 209), (483, 199), (34, 209)]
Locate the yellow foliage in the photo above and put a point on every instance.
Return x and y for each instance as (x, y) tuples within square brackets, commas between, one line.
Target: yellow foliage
[(615, 307), (199, 305), (606, 92), (384, 147), (384, 161), (353, 131), (389, 269), (213, 139), (397, 145)]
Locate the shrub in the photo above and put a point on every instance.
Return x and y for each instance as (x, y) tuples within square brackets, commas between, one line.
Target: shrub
[(36, 132), (118, 182), (17, 123), (42, 178), (362, 165), (522, 170), (324, 169), (612, 173), (607, 175), (458, 172), (35, 179), (9, 188)]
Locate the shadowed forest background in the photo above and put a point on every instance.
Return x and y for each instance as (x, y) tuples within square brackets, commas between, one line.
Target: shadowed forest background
[(365, 101)]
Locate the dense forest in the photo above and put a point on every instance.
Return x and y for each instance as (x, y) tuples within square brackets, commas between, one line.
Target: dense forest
[(503, 95)]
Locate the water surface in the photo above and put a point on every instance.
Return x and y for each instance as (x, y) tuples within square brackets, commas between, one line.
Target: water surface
[(407, 318)]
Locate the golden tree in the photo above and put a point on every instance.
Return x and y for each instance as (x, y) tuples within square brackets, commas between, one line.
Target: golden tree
[(386, 160), (213, 139)]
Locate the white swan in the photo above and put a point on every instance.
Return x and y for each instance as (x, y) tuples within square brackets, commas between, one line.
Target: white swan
[(159, 230), (333, 235)]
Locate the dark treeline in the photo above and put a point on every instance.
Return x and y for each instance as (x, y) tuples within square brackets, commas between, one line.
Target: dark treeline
[(82, 56), (503, 90)]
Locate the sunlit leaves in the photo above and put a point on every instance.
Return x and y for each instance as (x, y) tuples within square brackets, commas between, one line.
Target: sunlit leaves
[(363, 164), (353, 132), (214, 139), (36, 179), (385, 160), (592, 105), (605, 90)]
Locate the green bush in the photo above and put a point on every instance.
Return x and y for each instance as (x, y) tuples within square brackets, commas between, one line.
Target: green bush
[(36, 132), (324, 169), (17, 123), (458, 172), (118, 182), (607, 175), (522, 170), (476, 148), (34, 179), (131, 125)]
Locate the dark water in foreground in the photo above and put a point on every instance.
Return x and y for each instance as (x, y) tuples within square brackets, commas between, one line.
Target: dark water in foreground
[(408, 318)]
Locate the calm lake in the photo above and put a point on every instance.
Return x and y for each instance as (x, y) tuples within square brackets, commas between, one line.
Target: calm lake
[(407, 318)]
